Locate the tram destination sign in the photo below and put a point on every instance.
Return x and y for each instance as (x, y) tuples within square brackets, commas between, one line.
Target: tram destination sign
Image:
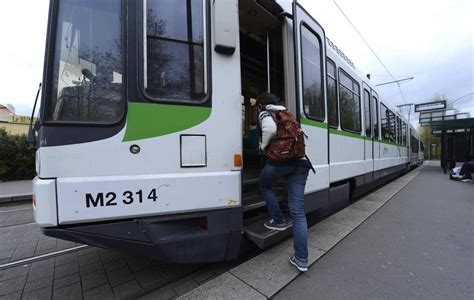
[(430, 106)]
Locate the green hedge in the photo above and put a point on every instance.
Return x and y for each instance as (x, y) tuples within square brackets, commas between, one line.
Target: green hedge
[(17, 162)]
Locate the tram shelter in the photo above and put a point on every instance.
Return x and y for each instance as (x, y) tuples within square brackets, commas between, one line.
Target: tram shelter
[(457, 140)]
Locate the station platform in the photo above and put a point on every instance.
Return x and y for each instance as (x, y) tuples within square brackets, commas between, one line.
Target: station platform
[(11, 191), (412, 238)]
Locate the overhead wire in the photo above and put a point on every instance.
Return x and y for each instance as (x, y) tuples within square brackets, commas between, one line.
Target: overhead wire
[(371, 49)]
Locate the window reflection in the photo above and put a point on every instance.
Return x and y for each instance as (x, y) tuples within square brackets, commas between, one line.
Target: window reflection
[(312, 75), (175, 49), (87, 72), (349, 103)]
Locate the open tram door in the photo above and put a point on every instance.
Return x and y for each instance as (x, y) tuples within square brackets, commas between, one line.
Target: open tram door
[(310, 73)]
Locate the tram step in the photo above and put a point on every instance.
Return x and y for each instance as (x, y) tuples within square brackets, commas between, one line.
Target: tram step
[(253, 200), (264, 237)]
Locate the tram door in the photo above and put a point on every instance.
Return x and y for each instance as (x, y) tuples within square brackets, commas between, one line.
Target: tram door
[(309, 43), (369, 141), (376, 133)]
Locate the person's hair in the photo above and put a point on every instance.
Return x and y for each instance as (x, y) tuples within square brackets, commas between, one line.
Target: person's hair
[(267, 98)]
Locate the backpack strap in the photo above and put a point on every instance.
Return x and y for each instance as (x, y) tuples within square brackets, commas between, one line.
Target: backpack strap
[(310, 163)]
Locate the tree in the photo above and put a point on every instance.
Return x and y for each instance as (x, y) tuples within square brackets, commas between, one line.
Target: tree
[(17, 162)]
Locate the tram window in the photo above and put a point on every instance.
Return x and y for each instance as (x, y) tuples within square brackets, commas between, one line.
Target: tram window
[(368, 124), (385, 122), (398, 132), (87, 67), (349, 102), (313, 101), (175, 50), (375, 117), (404, 134), (392, 126), (332, 94)]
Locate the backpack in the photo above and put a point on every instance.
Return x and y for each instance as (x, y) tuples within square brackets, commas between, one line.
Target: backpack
[(288, 142)]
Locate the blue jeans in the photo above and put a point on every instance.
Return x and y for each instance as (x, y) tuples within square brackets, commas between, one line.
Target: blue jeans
[(296, 174)]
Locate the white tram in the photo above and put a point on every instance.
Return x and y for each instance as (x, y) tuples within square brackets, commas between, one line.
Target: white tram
[(147, 142)]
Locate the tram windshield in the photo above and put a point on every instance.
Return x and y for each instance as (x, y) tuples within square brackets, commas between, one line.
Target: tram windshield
[(86, 83)]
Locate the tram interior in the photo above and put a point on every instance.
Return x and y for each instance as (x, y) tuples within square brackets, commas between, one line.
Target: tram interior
[(262, 70), (261, 52)]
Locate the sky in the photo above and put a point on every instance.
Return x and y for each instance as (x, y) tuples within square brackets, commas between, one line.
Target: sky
[(432, 41)]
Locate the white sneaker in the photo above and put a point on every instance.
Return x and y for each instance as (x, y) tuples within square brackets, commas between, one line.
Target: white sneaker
[(466, 180)]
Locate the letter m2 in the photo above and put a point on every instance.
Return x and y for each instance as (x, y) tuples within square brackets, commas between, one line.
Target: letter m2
[(90, 201)]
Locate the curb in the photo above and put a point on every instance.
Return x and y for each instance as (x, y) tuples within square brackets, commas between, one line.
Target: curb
[(15, 198)]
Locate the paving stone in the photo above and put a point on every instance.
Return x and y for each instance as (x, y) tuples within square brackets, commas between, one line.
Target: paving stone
[(15, 272), (66, 280), (127, 290), (88, 259), (44, 293), (86, 251), (41, 269), (93, 280), (6, 254), (38, 284), (12, 285), (349, 217), (165, 293), (148, 277), (119, 276), (366, 206), (23, 253), (5, 246), (43, 251), (84, 270), (66, 269), (326, 234), (184, 286), (118, 263), (225, 286), (108, 256), (49, 245), (43, 263), (12, 296), (100, 293), (271, 270), (137, 264), (70, 292), (66, 258)]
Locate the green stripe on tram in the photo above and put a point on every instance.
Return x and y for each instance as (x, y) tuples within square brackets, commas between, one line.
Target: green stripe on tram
[(149, 120), (346, 133), (314, 123)]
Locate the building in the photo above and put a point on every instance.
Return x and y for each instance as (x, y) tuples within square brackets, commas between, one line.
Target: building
[(11, 122)]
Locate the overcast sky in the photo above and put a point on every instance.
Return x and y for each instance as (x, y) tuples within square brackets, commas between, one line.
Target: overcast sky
[(429, 40)]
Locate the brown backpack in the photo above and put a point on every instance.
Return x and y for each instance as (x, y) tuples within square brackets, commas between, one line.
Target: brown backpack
[(288, 142)]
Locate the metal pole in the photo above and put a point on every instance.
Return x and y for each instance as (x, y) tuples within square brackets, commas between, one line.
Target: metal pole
[(395, 81)]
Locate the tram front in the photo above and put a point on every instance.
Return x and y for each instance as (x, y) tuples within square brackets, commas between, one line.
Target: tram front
[(130, 153)]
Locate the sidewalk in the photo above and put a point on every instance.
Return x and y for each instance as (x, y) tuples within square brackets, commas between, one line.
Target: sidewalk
[(419, 245), (16, 191), (265, 275)]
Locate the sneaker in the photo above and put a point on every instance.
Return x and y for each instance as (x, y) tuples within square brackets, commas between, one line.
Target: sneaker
[(456, 176), (466, 180), (270, 224), (298, 265)]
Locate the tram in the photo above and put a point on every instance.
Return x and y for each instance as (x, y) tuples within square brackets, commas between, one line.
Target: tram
[(146, 141)]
